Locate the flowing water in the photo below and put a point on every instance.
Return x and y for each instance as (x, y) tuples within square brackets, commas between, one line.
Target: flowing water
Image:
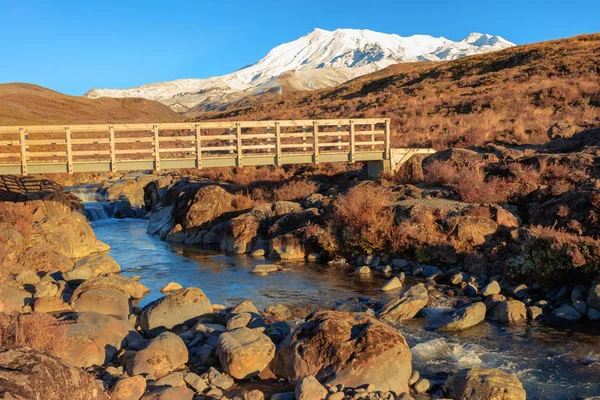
[(551, 363)]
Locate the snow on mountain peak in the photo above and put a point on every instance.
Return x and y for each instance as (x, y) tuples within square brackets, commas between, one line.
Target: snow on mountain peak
[(345, 53)]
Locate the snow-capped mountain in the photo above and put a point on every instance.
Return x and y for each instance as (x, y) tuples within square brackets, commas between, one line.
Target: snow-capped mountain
[(319, 59)]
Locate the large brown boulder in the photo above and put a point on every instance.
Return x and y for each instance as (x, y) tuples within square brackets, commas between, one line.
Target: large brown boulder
[(289, 246), (472, 230), (511, 312), (129, 287), (94, 338), (173, 345), (484, 384), (130, 388), (29, 374), (240, 234), (245, 352), (406, 305), (13, 299), (104, 301), (465, 317), (91, 267), (348, 349), (184, 307), (161, 222), (129, 190), (51, 219), (208, 203)]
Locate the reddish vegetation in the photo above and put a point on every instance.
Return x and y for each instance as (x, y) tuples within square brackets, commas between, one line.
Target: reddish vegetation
[(510, 96), (37, 331)]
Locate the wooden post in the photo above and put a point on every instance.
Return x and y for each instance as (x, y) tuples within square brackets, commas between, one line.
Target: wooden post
[(113, 153), (372, 136), (268, 140), (156, 143), (278, 142), (69, 150), (304, 138), (23, 136), (316, 141), (239, 144), (352, 142), (198, 147), (387, 139)]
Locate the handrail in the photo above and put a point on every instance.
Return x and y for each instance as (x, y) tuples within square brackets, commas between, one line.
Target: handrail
[(323, 139)]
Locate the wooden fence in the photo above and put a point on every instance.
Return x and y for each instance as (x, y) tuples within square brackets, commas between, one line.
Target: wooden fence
[(119, 147)]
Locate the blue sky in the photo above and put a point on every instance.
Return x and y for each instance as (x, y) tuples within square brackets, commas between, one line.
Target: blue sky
[(72, 46)]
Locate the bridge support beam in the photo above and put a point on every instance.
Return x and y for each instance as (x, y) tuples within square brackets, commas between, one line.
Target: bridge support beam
[(394, 161)]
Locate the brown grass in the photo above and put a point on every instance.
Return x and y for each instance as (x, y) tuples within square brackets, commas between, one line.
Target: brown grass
[(510, 96), (363, 218), (295, 190), (36, 330)]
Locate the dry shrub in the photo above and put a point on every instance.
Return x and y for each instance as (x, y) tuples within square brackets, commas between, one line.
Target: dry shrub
[(363, 218), (322, 237), (242, 201), (473, 188), (552, 257), (441, 173), (417, 234), (295, 190), (18, 217), (36, 330)]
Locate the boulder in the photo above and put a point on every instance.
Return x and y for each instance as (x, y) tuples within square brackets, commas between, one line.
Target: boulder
[(173, 345), (130, 388), (104, 301), (278, 312), (510, 312), (472, 230), (264, 269), (593, 297), (289, 246), (405, 306), (491, 288), (245, 352), (171, 287), (345, 348), (392, 284), (169, 393), (94, 338), (207, 203), (309, 388), (129, 287), (465, 317), (161, 222), (29, 374), (91, 267), (129, 190), (240, 234), (42, 258), (566, 313), (293, 221), (27, 277), (13, 299), (484, 384), (46, 289), (184, 307), (50, 305), (78, 241), (150, 363)]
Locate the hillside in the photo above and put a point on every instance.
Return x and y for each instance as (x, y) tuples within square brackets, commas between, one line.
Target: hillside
[(323, 58), (511, 96), (25, 104)]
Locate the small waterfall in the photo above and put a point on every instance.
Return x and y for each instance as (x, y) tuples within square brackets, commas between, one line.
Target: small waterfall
[(97, 210)]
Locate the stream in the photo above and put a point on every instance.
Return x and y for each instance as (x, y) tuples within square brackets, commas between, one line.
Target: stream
[(552, 363)]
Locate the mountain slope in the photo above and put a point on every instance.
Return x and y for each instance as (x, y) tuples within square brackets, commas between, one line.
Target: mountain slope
[(332, 57), (26, 104), (510, 96)]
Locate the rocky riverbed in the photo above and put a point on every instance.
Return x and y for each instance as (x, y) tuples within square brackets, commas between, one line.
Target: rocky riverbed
[(211, 295)]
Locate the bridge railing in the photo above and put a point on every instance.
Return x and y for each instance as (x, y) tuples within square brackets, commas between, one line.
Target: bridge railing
[(112, 147)]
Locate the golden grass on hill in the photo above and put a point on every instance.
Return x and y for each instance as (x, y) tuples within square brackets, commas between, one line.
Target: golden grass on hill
[(510, 96), (26, 104)]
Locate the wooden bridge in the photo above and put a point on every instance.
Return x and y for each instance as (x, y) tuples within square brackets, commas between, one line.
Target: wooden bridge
[(127, 147)]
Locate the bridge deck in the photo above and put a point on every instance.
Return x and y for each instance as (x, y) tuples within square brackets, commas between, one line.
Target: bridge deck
[(125, 147)]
